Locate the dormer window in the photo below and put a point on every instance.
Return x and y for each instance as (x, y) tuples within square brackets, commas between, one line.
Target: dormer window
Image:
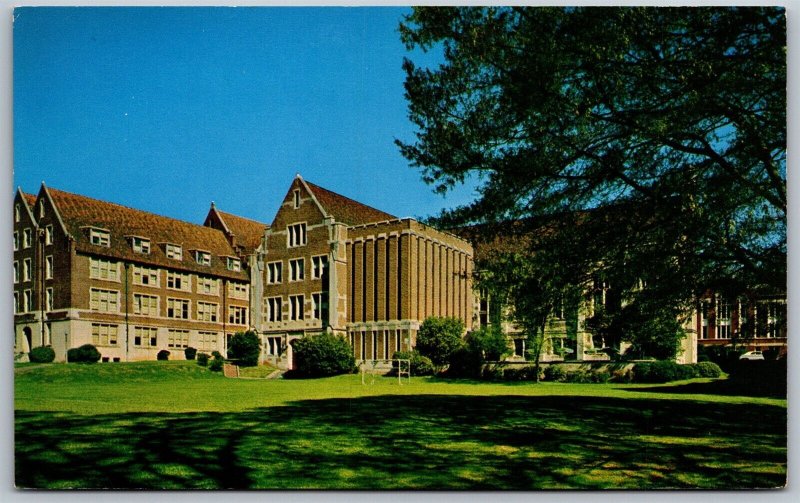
[(140, 245), (202, 257), (234, 264), (174, 252), (100, 237)]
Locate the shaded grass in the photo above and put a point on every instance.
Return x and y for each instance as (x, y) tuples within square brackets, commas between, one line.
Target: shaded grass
[(335, 433)]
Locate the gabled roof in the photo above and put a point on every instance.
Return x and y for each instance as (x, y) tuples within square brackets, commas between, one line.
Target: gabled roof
[(248, 233), (79, 212), (346, 210)]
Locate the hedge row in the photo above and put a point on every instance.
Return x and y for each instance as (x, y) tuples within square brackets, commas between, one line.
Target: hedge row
[(650, 372)]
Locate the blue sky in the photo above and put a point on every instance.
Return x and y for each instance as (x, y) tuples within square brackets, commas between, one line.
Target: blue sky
[(167, 109)]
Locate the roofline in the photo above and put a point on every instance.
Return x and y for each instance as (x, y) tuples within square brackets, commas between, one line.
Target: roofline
[(27, 206)]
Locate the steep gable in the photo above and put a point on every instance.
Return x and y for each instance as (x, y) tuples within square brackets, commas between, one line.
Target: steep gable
[(244, 234)]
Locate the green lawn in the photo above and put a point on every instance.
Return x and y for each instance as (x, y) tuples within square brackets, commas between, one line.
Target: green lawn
[(177, 425)]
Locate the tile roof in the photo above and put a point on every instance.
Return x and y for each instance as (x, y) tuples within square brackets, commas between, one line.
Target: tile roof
[(30, 199), (248, 232), (79, 212), (346, 210)]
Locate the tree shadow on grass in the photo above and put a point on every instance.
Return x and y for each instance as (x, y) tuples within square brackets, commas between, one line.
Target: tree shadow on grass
[(723, 387), (413, 442)]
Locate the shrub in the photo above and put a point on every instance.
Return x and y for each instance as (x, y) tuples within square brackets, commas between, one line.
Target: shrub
[(465, 362), (555, 373), (322, 355), (578, 376), (216, 355), (163, 355), (439, 338), (42, 354), (245, 348), (420, 365), (661, 372), (600, 376), (190, 353), (490, 343), (519, 374), (215, 365), (83, 354), (707, 369), (202, 359)]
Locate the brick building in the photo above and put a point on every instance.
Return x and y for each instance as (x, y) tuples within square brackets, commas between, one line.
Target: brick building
[(129, 282), (133, 283), (332, 263)]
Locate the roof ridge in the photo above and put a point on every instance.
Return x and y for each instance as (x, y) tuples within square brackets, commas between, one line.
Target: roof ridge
[(315, 186), (241, 217), (137, 210)]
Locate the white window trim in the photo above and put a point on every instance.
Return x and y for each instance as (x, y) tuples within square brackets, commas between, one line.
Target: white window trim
[(100, 266), (149, 296), (179, 300), (115, 292), (278, 263), (48, 267), (48, 234), (16, 272), (323, 259), (173, 251), (293, 271), (304, 234), (146, 271), (103, 237), (184, 276), (16, 240)]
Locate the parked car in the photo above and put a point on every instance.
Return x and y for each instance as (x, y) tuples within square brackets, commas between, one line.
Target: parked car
[(752, 355)]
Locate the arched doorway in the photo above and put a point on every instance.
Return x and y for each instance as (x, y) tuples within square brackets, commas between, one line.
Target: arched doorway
[(28, 333)]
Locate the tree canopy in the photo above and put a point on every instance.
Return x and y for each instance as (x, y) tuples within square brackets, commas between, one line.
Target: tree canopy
[(649, 142)]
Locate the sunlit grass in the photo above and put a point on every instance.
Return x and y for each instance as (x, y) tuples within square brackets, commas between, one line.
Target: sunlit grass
[(178, 425)]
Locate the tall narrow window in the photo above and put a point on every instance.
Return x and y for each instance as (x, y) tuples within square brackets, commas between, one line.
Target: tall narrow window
[(48, 299), (27, 238), (16, 213), (274, 272), (296, 196), (297, 269), (26, 270), (296, 307), (48, 235), (48, 267)]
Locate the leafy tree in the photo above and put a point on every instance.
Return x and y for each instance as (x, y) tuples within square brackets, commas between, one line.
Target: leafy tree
[(488, 342), (245, 348), (648, 144), (438, 338), (323, 355)]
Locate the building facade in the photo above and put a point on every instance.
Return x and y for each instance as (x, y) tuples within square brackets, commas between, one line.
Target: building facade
[(129, 282), (133, 283)]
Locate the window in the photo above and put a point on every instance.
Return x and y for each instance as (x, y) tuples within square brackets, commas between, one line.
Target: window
[(273, 305), (296, 269), (177, 338), (207, 311), (48, 299), (145, 337), (179, 281), (207, 341), (48, 235), (208, 286), (16, 302), (104, 334), (272, 345), (27, 238), (100, 237), (41, 209), (141, 245), (238, 290), (16, 272), (174, 252), (106, 301), (274, 272), (27, 306), (145, 304), (48, 267), (202, 257), (318, 266), (234, 264), (16, 213), (296, 307), (237, 315), (319, 303), (16, 240), (104, 269), (723, 317), (26, 270), (296, 196), (296, 235), (145, 276), (178, 308)]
